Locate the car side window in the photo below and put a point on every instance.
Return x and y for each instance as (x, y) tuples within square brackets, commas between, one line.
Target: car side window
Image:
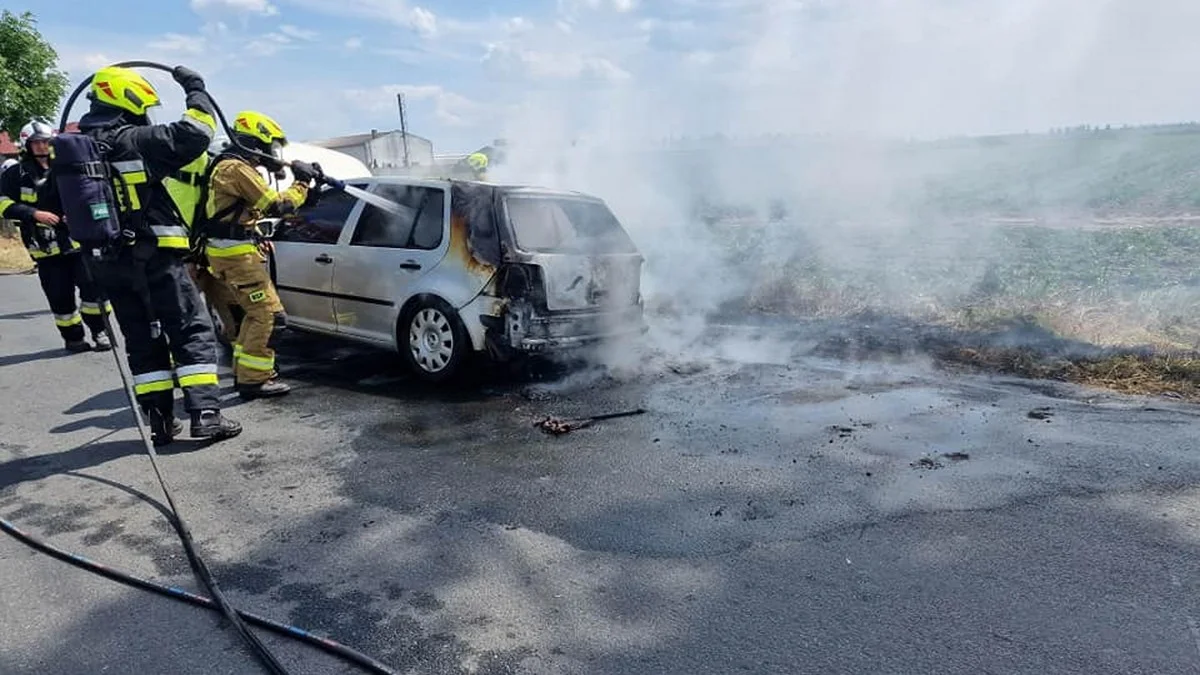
[(321, 223), (414, 221), (388, 228), (428, 232)]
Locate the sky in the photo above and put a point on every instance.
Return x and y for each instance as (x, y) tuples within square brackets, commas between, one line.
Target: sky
[(613, 71)]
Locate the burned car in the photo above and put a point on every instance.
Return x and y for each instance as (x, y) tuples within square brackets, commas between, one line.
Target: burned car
[(444, 270)]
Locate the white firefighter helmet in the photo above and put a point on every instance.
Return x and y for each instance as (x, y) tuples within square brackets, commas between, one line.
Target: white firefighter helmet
[(36, 130)]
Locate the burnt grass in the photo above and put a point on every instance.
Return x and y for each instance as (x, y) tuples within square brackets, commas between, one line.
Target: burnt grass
[(1115, 307), (1022, 348)]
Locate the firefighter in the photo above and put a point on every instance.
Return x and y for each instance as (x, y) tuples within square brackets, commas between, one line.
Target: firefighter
[(238, 197), (478, 164), (185, 187), (24, 198), (169, 337), (220, 299)]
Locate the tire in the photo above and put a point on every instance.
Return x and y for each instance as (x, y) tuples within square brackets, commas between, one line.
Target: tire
[(432, 340)]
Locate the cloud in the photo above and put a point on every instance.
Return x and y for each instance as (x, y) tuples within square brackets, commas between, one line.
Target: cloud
[(298, 33), (449, 108), (269, 44), (424, 22), (619, 6), (353, 43), (560, 65), (398, 12), (175, 43), (262, 7)]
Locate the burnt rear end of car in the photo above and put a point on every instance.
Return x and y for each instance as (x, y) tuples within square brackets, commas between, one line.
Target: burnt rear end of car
[(566, 273)]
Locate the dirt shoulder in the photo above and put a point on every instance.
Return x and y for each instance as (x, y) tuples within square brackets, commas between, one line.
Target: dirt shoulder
[(13, 257)]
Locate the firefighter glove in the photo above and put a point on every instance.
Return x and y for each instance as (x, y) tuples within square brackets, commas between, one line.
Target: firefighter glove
[(304, 172), (187, 78)]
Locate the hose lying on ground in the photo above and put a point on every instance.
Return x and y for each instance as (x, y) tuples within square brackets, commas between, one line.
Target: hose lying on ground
[(335, 648)]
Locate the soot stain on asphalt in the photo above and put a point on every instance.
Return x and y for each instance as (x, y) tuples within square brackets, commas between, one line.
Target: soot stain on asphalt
[(25, 510), (104, 533), (395, 637), (168, 559), (251, 578), (417, 599), (54, 520)]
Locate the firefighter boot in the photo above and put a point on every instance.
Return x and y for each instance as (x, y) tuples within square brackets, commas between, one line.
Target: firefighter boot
[(77, 346), (163, 426), (268, 389), (103, 344), (212, 424)]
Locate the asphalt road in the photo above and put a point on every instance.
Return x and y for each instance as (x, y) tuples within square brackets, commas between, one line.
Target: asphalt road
[(768, 514)]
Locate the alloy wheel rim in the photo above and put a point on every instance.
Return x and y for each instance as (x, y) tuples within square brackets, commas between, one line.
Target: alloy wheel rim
[(431, 340)]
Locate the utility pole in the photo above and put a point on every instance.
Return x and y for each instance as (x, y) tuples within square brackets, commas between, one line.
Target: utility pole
[(403, 126)]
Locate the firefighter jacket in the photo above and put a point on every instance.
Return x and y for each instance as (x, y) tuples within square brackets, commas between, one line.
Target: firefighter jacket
[(24, 189), (145, 156), (238, 197)]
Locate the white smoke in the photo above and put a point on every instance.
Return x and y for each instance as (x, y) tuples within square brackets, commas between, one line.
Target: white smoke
[(855, 73)]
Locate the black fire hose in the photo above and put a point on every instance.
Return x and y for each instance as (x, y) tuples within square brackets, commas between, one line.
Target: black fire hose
[(62, 123), (335, 648), (217, 601)]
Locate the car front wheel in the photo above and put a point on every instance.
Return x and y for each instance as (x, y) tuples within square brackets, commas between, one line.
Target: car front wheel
[(433, 340)]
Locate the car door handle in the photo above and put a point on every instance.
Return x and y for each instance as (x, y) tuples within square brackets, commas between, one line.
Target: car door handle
[(410, 265), (324, 259)]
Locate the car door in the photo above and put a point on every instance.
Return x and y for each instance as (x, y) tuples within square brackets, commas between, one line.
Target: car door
[(389, 249), (304, 259)]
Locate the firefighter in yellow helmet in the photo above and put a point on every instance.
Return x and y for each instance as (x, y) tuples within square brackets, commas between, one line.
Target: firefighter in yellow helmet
[(168, 337), (238, 197), (185, 188), (478, 162)]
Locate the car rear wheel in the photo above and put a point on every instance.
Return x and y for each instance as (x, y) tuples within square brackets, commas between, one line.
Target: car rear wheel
[(433, 340)]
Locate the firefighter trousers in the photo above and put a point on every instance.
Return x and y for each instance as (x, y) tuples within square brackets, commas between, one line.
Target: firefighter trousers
[(254, 349), (61, 275), (221, 301), (184, 353)]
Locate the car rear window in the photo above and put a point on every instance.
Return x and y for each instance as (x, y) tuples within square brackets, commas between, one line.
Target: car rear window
[(565, 225)]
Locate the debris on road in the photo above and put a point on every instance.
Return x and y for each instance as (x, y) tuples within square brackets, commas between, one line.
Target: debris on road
[(841, 431), (557, 427), (927, 462), (932, 462)]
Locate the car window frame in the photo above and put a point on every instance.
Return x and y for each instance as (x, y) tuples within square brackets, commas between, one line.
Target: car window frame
[(346, 220), (409, 243)]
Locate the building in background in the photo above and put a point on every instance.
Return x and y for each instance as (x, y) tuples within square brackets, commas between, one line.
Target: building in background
[(384, 152), (8, 149)]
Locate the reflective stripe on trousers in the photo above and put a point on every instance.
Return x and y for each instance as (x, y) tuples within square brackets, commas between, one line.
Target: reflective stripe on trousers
[(256, 362), (95, 308), (65, 320), (197, 375), (148, 383)]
